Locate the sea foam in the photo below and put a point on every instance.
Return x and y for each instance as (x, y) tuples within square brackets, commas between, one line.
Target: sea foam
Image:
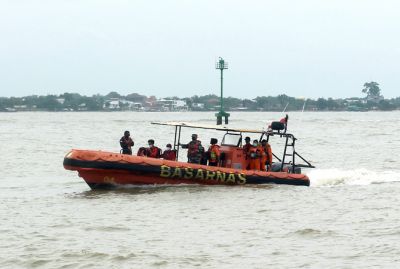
[(362, 176)]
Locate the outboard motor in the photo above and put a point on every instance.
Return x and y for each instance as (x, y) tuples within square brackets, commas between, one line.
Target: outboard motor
[(276, 167), (297, 170)]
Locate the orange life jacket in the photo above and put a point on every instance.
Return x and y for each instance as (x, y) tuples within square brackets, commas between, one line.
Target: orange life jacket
[(214, 153), (169, 155), (255, 157), (266, 154), (153, 152), (255, 152), (266, 157)]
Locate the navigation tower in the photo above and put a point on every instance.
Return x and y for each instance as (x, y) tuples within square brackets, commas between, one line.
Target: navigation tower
[(221, 65)]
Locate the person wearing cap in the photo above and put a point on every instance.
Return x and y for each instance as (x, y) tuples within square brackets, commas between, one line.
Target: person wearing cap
[(246, 151), (169, 154), (195, 150), (153, 151), (213, 153), (126, 143)]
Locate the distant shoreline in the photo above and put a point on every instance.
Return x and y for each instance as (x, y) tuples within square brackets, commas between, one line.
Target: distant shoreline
[(74, 102), (230, 111)]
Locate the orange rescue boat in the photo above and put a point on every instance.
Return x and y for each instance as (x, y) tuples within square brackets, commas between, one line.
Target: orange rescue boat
[(104, 170)]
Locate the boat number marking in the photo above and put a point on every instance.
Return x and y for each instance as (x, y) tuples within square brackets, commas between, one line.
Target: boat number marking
[(108, 179)]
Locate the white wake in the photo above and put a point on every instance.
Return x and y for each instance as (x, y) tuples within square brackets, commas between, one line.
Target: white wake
[(362, 176)]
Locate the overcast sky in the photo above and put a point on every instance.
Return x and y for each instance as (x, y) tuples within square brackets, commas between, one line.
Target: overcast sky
[(303, 48)]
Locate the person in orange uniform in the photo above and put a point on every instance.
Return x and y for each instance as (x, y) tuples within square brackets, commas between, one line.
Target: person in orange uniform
[(153, 151), (169, 154), (246, 152), (213, 153), (266, 156), (255, 156)]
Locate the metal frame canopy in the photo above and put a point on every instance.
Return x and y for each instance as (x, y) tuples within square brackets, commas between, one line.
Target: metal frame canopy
[(209, 127), (289, 141), (178, 127)]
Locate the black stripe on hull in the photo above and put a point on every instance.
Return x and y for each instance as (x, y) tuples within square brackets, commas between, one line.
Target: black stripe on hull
[(155, 170)]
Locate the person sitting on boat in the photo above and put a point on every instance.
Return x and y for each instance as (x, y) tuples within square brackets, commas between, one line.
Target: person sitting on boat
[(195, 150), (266, 156), (280, 125), (246, 151), (169, 154), (126, 143), (213, 153), (142, 151), (153, 151), (255, 155)]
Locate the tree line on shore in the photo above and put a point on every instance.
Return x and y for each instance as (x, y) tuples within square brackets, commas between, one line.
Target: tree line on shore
[(211, 102)]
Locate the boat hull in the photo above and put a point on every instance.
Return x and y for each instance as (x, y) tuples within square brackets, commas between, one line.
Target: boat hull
[(103, 170)]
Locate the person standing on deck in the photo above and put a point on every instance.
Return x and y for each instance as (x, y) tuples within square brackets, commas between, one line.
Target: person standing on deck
[(126, 143), (204, 157), (195, 150), (246, 152), (255, 156), (213, 153), (266, 156)]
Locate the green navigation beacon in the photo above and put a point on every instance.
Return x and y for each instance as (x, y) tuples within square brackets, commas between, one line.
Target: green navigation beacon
[(221, 65)]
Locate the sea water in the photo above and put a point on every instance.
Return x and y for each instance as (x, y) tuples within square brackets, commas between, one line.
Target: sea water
[(348, 218)]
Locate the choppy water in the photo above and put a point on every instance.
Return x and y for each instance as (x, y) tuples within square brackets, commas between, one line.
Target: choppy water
[(348, 218)]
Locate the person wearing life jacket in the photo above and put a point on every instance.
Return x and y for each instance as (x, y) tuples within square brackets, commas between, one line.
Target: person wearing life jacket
[(204, 155), (280, 125), (169, 154), (142, 152), (246, 152), (195, 150), (266, 156), (284, 120), (255, 156), (213, 153), (126, 143), (153, 151)]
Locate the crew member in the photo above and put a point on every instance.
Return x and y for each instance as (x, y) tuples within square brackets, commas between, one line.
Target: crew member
[(255, 156), (153, 151), (246, 152), (195, 150), (126, 143), (142, 151), (204, 155), (284, 120), (169, 154), (266, 156), (213, 153), (279, 125)]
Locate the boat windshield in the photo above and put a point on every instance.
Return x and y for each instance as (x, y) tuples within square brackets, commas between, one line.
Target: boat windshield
[(231, 140)]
